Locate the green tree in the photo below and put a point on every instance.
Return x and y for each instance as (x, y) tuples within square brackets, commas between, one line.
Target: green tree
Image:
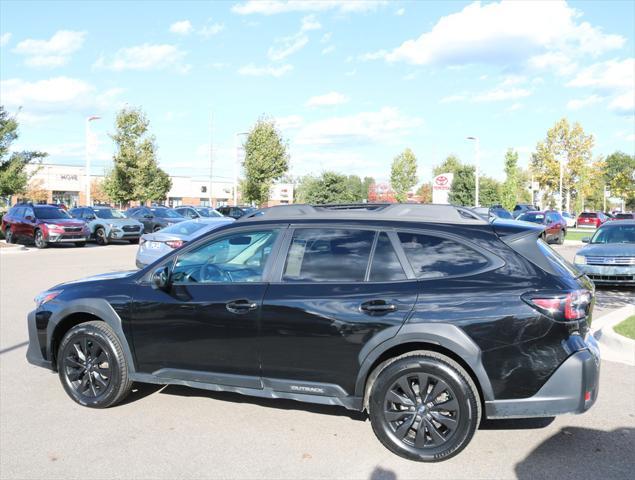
[(366, 183), (135, 174), (403, 174), (462, 190), (620, 176), (329, 187), (566, 143), (356, 188), (13, 174), (510, 189), (489, 191), (266, 160), (451, 164), (425, 193)]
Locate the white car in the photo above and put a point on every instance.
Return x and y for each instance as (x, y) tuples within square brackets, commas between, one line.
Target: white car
[(570, 219)]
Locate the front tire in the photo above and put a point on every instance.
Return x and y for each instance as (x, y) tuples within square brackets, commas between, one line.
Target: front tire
[(8, 235), (39, 240), (561, 235), (100, 236), (92, 366), (80, 244), (424, 406)]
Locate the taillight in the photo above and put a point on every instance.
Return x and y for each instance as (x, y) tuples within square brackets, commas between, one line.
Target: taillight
[(174, 243), (563, 307)]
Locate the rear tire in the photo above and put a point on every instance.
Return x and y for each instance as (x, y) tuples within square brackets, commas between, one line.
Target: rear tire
[(92, 366), (8, 235), (134, 241), (39, 240), (80, 244), (424, 406), (561, 235)]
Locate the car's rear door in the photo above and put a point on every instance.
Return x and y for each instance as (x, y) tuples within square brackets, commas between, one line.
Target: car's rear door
[(337, 293)]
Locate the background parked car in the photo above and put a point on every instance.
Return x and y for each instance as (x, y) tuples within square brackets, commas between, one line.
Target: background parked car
[(624, 216), (489, 213), (609, 257), (108, 224), (236, 212), (153, 246), (591, 219), (197, 212), (154, 218), (570, 219), (523, 208), (42, 225), (555, 225)]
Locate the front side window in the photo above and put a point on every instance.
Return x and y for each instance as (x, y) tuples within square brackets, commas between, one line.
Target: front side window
[(48, 213), (108, 213), (386, 266), (239, 257), (328, 255), (437, 257)]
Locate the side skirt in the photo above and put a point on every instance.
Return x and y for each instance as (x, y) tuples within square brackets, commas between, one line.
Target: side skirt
[(309, 392)]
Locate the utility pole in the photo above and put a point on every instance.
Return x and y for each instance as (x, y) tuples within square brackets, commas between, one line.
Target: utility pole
[(477, 161), (211, 159), (88, 153), (237, 163)]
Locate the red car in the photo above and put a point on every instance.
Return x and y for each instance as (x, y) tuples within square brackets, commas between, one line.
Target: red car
[(42, 225), (555, 224), (591, 219)]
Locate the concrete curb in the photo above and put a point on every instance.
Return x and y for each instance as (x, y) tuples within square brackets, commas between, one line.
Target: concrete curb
[(615, 347), (573, 243)]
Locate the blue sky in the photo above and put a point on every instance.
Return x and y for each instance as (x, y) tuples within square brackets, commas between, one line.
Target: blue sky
[(350, 83)]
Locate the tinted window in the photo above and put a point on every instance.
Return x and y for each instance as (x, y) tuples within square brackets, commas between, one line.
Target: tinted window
[(615, 234), (323, 255), (588, 215), (46, 213), (434, 257), (533, 217), (624, 215), (385, 266), (18, 212), (240, 257), (502, 213), (165, 213), (108, 213)]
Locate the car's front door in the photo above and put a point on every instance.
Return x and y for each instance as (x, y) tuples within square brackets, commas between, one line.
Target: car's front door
[(28, 222), (339, 292), (204, 326)]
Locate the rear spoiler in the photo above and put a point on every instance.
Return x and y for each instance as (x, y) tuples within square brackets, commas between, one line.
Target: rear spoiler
[(522, 237)]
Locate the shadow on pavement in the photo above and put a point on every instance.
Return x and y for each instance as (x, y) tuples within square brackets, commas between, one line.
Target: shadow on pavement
[(141, 390), (277, 403), (578, 453), (382, 474), (14, 347)]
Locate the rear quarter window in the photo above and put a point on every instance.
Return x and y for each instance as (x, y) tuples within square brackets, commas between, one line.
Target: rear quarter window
[(438, 257)]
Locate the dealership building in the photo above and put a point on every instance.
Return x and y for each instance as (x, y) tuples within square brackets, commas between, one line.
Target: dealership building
[(66, 184)]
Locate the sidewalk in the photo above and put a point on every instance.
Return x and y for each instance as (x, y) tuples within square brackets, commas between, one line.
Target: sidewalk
[(613, 346)]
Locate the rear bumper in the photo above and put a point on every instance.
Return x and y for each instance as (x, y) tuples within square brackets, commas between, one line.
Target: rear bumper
[(573, 388)]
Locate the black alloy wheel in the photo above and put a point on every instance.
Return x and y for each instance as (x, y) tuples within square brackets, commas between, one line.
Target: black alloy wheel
[(101, 237), (92, 366), (39, 239), (8, 235), (423, 406)]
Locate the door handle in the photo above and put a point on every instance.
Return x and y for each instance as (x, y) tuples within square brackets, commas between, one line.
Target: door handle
[(240, 306), (377, 307)]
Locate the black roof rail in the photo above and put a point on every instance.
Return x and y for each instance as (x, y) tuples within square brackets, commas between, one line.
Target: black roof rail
[(387, 211)]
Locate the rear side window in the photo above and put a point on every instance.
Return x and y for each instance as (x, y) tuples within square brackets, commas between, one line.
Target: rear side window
[(323, 255), (436, 257), (588, 215), (386, 266)]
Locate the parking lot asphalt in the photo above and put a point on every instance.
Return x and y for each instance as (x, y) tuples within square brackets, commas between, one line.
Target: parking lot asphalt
[(175, 432)]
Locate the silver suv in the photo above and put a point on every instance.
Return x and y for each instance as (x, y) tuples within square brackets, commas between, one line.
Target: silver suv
[(107, 224)]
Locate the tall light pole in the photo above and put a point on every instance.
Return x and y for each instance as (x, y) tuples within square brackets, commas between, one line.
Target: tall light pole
[(211, 159), (88, 152), (237, 163), (477, 161)]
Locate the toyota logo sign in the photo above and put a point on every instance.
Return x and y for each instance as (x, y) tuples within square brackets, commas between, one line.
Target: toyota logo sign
[(441, 180)]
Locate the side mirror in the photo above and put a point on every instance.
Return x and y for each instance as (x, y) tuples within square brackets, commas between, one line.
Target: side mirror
[(30, 218), (90, 217), (586, 239), (160, 278), (148, 215)]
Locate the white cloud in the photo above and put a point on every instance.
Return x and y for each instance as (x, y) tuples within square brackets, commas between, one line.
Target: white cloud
[(329, 49), (145, 57), (506, 32), (326, 38), (211, 29), (182, 27), (5, 38), (351, 73), (557, 62), (624, 103), (578, 103), (400, 12), (454, 98), (290, 122), (56, 95), (53, 52), (384, 125), (268, 70), (514, 107), (499, 94), (510, 88), (285, 46), (327, 100), (272, 7)]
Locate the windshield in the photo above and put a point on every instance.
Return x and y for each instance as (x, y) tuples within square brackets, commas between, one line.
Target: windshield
[(533, 217), (109, 213), (624, 215), (500, 213), (615, 234), (165, 213), (48, 213), (184, 228), (208, 212)]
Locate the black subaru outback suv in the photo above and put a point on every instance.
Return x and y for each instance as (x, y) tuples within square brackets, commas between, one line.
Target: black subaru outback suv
[(427, 317)]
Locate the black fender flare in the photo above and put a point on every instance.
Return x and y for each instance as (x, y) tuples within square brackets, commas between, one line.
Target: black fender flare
[(445, 335), (100, 308)]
